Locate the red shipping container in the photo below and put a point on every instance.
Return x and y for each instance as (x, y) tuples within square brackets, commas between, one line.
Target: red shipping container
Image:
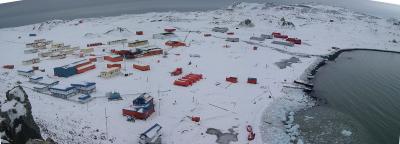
[(196, 75), (114, 65), (92, 59), (175, 43), (8, 66), (182, 83), (195, 119), (232, 79), (136, 114), (282, 36), (194, 78), (276, 34), (113, 58), (230, 33), (176, 72), (294, 40), (35, 68), (170, 30), (141, 67), (252, 80), (83, 64), (85, 68), (139, 32)]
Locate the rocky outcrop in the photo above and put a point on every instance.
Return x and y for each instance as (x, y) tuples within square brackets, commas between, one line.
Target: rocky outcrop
[(17, 125)]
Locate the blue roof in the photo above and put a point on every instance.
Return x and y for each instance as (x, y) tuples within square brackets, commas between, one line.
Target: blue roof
[(26, 71), (83, 84), (36, 78), (154, 126), (61, 87)]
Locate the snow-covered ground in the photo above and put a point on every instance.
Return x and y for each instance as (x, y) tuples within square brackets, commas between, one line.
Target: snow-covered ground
[(69, 122)]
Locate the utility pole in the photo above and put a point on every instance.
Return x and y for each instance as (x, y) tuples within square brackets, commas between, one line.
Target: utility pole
[(105, 114)]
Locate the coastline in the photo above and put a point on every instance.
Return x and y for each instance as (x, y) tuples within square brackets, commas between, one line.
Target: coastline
[(313, 101)]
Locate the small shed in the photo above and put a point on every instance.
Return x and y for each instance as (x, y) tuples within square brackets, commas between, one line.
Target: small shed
[(232, 39), (220, 29), (284, 43), (257, 38), (176, 72), (113, 96), (232, 79), (84, 97), (252, 80), (265, 36), (151, 136), (139, 32)]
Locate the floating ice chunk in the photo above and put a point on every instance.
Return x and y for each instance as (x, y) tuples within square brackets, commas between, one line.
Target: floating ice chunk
[(346, 133)]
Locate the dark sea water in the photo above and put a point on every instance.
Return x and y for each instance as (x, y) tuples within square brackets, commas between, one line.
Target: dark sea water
[(33, 11), (362, 92)]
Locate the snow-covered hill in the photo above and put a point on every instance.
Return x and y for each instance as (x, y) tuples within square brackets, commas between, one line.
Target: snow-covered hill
[(263, 105)]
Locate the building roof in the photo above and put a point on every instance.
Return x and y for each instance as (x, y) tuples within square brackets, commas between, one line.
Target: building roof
[(26, 70), (83, 84), (36, 77), (48, 81), (62, 87)]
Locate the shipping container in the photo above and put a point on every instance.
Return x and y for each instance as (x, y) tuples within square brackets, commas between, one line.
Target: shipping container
[(141, 67)]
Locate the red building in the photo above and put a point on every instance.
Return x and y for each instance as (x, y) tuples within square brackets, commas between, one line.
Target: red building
[(176, 72), (139, 32), (170, 30), (141, 67), (294, 40), (175, 43), (232, 79), (8, 66), (252, 80), (113, 58), (114, 65), (142, 107), (188, 80)]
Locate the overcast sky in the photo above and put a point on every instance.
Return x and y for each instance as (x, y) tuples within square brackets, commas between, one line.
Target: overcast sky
[(33, 11)]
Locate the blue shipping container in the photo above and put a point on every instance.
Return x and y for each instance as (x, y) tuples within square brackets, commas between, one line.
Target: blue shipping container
[(32, 35), (64, 71)]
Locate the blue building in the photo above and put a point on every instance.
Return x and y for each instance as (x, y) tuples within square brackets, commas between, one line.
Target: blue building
[(85, 87), (25, 72), (63, 91), (35, 79), (65, 71)]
